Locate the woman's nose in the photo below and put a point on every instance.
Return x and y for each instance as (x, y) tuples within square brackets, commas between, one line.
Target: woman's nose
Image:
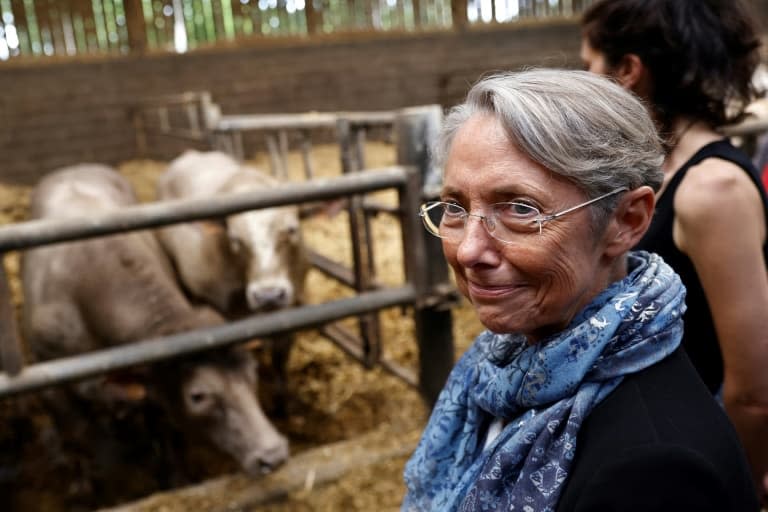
[(476, 244)]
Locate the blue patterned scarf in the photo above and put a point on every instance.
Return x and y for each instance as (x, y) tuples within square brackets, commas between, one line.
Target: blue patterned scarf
[(544, 391)]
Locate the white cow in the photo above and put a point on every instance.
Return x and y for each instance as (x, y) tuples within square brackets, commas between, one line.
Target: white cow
[(253, 259), (90, 294)]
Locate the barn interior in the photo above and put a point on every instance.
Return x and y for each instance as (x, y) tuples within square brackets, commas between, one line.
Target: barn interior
[(309, 91)]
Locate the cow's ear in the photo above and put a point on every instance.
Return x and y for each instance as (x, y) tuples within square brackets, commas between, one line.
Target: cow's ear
[(213, 226)]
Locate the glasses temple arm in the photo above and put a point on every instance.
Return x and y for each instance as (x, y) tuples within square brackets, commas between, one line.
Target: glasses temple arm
[(582, 205)]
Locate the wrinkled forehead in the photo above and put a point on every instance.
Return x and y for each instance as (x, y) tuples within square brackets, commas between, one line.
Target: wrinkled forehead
[(484, 162)]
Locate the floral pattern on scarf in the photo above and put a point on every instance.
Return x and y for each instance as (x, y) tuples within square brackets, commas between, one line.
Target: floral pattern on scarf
[(544, 391)]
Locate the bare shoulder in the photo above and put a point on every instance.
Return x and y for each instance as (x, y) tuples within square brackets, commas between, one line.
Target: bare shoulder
[(717, 188), (718, 209)]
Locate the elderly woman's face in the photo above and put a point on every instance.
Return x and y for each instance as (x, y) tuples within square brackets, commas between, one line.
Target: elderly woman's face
[(536, 283)]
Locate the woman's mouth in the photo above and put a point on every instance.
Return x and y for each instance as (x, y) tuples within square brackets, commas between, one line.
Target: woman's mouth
[(488, 291)]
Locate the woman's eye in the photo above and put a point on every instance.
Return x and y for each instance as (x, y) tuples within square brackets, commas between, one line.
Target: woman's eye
[(517, 210), (453, 210)]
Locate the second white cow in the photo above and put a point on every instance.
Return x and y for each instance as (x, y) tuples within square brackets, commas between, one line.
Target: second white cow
[(255, 260)]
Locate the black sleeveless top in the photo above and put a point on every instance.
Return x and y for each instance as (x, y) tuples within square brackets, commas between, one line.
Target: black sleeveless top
[(699, 338)]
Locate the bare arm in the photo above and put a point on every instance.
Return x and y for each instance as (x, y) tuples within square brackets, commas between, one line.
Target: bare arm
[(719, 225)]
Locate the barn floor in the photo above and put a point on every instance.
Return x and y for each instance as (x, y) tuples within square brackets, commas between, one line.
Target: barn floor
[(333, 399)]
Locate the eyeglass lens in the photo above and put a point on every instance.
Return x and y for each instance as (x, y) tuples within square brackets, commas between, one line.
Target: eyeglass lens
[(503, 221)]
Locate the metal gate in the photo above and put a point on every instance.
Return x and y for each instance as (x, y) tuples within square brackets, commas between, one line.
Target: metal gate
[(427, 289)]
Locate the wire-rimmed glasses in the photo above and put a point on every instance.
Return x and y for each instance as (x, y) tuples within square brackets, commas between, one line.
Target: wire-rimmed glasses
[(504, 222)]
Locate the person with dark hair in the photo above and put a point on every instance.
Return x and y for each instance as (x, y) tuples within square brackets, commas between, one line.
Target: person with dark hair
[(577, 397), (692, 62)]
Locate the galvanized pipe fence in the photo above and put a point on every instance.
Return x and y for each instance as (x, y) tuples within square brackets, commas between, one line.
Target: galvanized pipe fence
[(426, 289), (413, 129)]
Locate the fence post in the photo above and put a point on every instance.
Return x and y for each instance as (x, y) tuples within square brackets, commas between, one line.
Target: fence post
[(415, 129), (11, 355), (459, 15), (362, 255), (314, 17), (134, 22)]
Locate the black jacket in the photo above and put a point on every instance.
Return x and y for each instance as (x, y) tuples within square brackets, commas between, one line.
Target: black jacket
[(659, 442)]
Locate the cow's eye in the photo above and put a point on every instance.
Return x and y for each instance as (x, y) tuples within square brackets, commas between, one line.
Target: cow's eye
[(290, 233), (236, 244), (200, 402)]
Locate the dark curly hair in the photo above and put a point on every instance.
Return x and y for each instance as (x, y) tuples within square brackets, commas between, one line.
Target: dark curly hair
[(701, 53)]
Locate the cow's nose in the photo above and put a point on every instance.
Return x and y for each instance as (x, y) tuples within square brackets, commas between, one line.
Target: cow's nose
[(264, 461), (267, 297)]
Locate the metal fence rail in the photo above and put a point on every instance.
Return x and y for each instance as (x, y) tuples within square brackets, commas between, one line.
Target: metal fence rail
[(46, 231), (427, 287), (67, 369)]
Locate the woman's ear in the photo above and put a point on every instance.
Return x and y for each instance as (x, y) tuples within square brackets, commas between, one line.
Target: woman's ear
[(630, 221), (632, 74)]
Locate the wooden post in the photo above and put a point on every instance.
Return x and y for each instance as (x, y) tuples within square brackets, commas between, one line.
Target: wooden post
[(363, 269), (314, 17), (306, 154), (141, 134), (459, 15), (20, 20), (56, 26), (416, 129), (11, 355), (282, 138), (416, 13), (43, 23), (275, 159), (134, 22), (209, 113)]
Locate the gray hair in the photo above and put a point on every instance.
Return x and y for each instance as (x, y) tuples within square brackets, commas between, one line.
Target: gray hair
[(581, 126)]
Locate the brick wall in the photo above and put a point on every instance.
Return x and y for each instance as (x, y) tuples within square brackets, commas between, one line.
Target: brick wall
[(67, 111)]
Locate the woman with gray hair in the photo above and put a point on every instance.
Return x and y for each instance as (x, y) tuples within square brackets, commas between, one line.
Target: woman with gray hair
[(577, 397)]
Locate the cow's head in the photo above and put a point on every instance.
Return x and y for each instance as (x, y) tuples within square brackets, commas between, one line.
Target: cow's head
[(218, 399), (269, 245)]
